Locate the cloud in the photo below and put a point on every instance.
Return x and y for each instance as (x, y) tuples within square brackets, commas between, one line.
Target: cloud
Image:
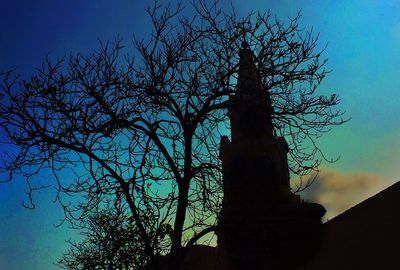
[(338, 192)]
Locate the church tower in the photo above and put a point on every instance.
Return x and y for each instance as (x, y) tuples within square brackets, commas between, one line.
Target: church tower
[(260, 215)]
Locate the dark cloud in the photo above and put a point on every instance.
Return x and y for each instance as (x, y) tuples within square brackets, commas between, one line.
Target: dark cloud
[(338, 192)]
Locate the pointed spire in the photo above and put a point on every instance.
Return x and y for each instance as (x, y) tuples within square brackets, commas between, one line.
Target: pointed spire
[(248, 79), (249, 85), (251, 114)]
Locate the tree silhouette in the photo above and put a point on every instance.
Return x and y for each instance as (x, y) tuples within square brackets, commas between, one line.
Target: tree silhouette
[(111, 242), (144, 130)]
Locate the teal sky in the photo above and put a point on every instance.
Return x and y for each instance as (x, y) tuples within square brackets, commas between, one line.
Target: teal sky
[(364, 54)]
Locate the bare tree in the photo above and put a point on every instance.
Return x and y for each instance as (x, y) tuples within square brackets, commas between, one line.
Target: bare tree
[(145, 130), (110, 242)]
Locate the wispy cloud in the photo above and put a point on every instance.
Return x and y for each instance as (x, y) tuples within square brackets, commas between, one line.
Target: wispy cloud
[(338, 191)]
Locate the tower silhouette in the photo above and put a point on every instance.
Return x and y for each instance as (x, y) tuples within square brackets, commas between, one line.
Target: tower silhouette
[(261, 219)]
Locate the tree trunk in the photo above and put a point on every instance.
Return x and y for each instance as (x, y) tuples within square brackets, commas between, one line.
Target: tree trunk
[(175, 259)]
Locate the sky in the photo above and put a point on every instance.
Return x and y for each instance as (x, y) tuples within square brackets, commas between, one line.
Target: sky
[(363, 40)]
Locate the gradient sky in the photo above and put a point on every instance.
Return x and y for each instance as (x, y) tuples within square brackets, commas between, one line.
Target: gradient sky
[(364, 54)]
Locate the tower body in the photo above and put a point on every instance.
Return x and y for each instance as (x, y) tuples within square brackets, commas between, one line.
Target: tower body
[(259, 212)]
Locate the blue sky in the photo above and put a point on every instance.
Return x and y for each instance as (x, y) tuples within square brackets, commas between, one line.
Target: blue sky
[(364, 54)]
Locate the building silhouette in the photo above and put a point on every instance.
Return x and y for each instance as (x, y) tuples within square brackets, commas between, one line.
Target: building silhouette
[(262, 224), (365, 237)]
